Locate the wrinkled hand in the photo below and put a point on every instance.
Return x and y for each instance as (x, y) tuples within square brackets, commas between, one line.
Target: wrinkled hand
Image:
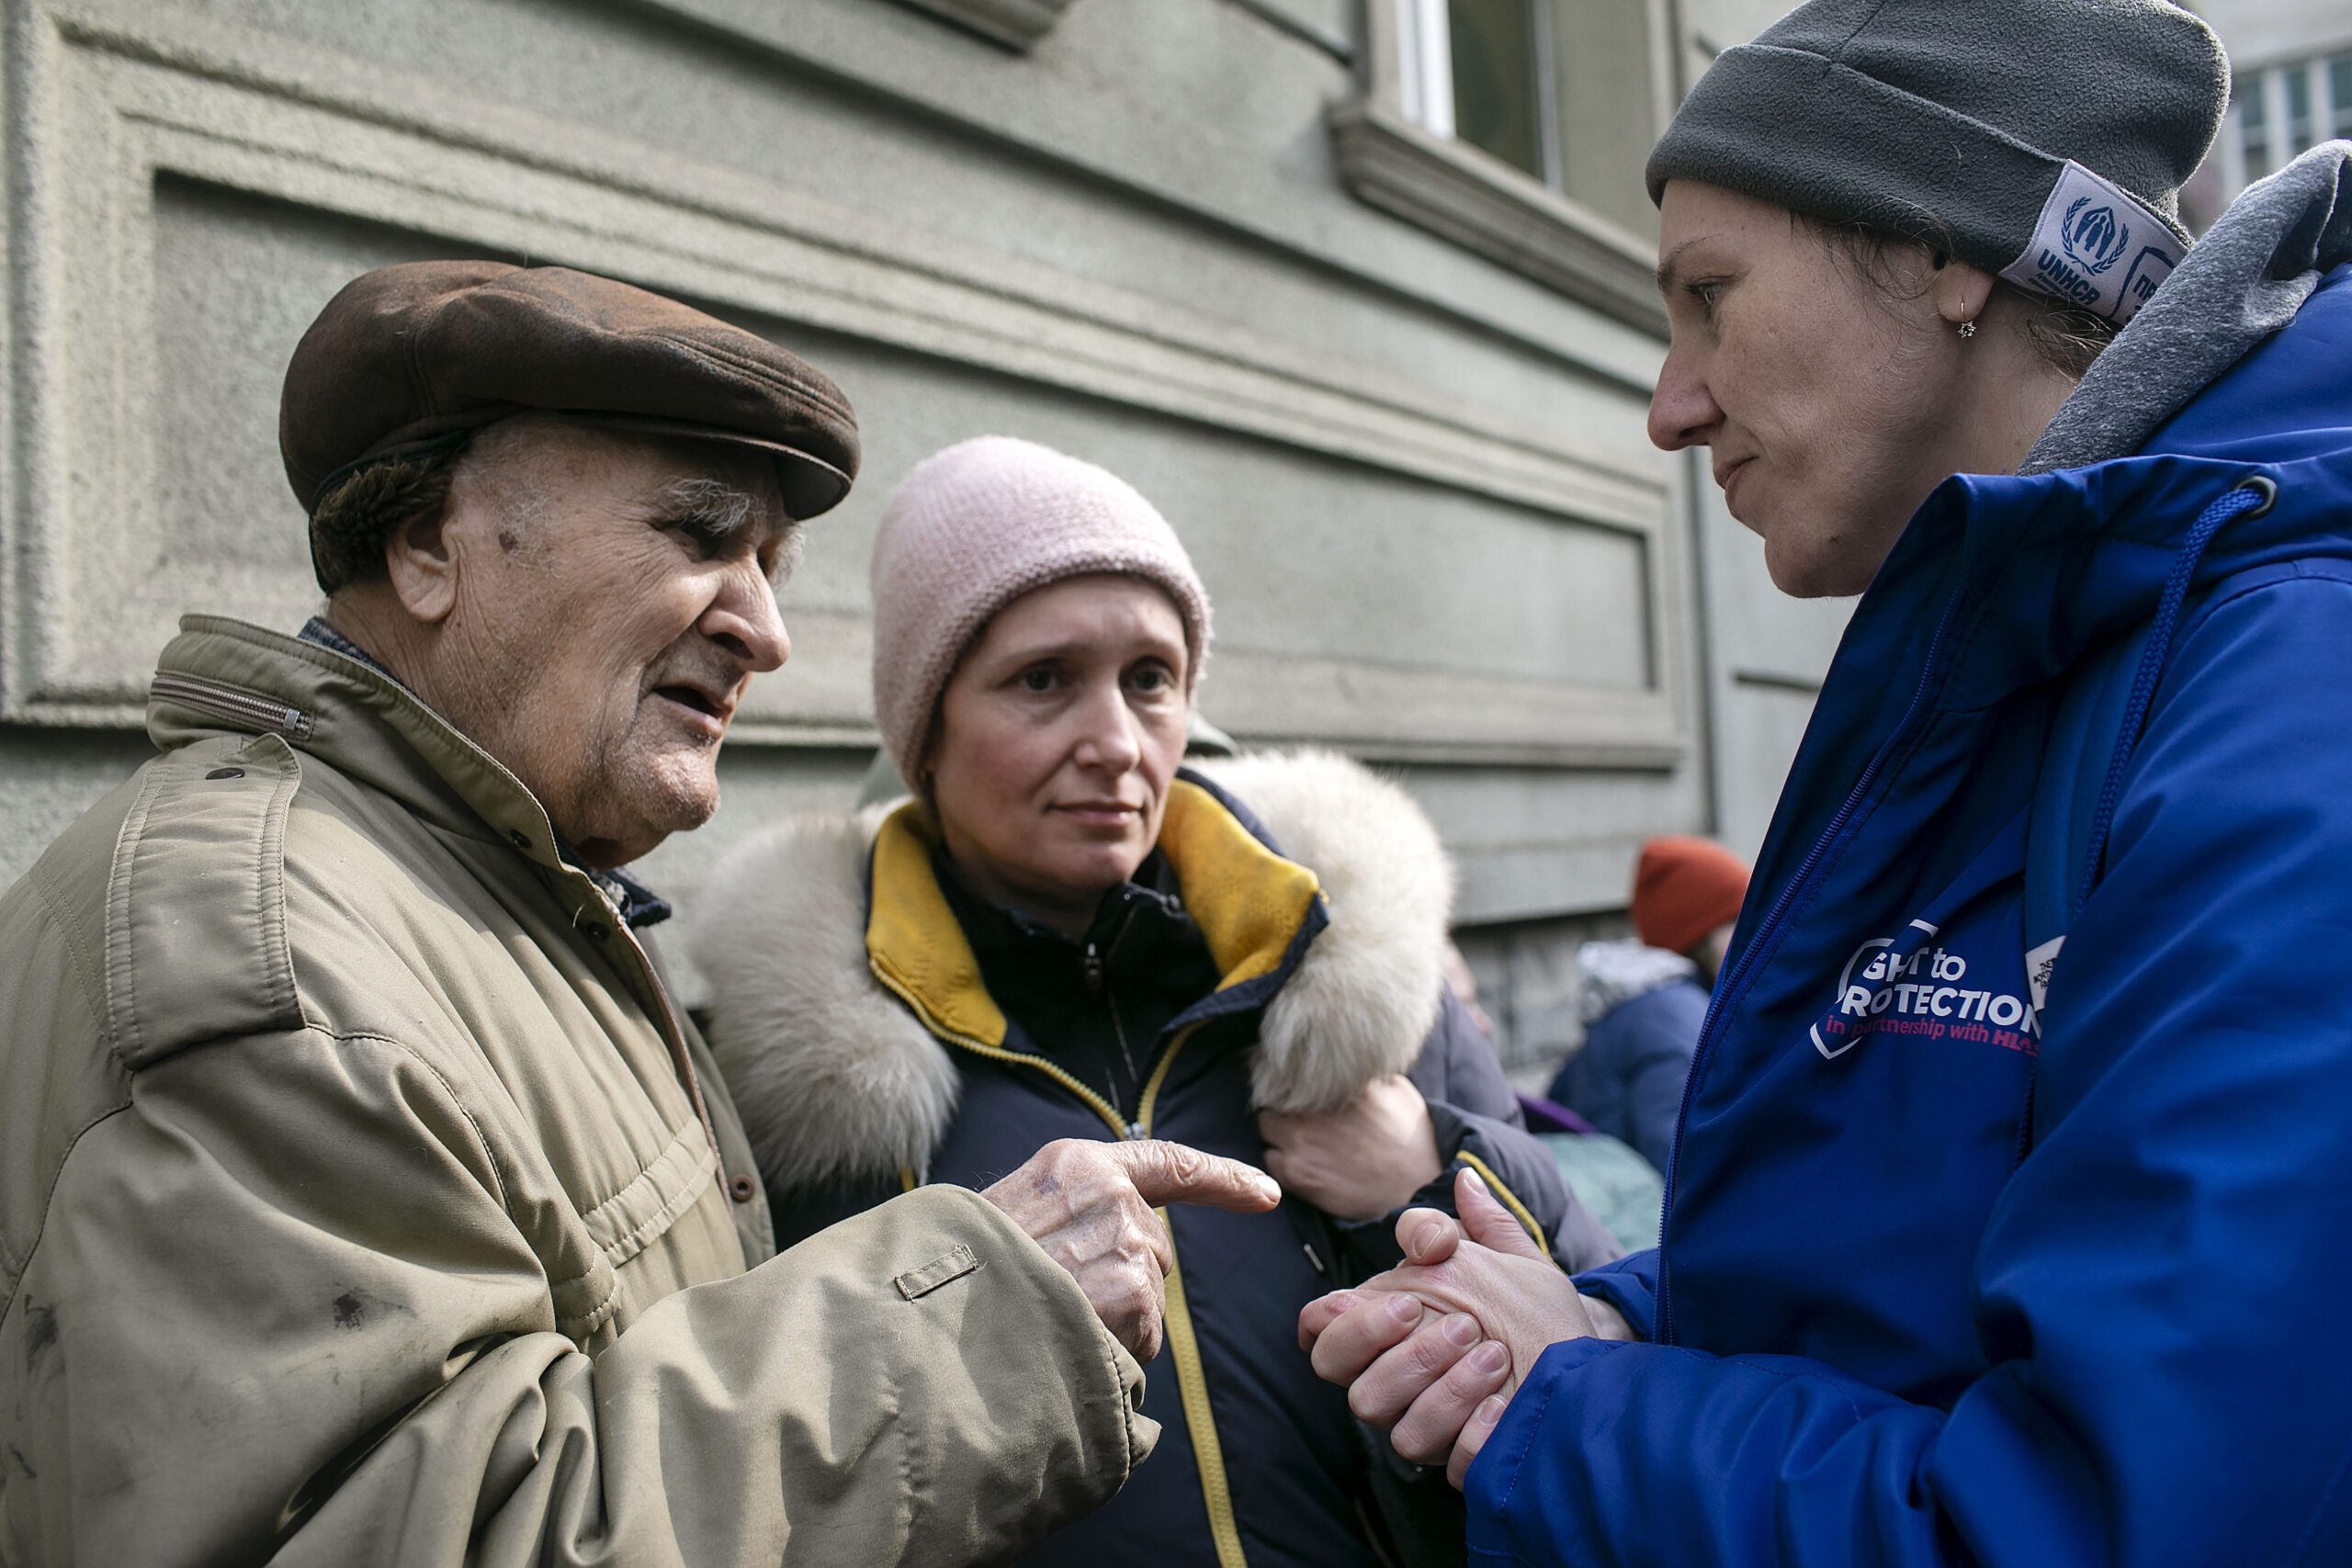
[(1433, 1349), (1090, 1206)]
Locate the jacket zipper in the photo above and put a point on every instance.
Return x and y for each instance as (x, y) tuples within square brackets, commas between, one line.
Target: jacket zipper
[(1184, 1347), (1098, 985), (231, 703), (1718, 1005)]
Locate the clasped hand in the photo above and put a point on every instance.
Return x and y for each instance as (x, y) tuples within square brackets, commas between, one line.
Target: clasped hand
[(1432, 1351)]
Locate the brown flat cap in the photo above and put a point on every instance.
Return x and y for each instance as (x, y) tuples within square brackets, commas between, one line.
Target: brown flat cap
[(408, 354)]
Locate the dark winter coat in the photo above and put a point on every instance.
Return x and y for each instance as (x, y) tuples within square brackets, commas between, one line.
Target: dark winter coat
[(875, 1040)]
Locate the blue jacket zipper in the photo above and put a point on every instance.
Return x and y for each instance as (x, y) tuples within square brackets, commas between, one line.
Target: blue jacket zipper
[(1719, 1003)]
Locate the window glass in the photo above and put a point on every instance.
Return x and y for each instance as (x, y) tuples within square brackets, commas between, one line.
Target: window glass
[(1497, 88), (2254, 125), (2299, 111), (1607, 108), (1564, 91), (2339, 93)]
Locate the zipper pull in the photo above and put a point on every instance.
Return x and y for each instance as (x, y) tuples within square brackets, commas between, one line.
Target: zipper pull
[(1135, 1131), (1094, 970)]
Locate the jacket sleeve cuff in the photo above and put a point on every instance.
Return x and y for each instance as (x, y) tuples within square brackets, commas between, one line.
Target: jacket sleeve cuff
[(1529, 1186), (1630, 1284), (1610, 1451)]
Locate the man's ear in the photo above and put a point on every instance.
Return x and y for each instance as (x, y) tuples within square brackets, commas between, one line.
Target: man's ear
[(423, 559)]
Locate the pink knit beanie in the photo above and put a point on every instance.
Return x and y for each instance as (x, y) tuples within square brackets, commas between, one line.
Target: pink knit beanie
[(976, 526)]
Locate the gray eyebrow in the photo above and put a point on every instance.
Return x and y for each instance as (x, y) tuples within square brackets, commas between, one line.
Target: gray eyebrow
[(723, 509), (708, 500)]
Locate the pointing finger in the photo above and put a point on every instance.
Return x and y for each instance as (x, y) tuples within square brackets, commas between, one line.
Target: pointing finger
[(1178, 1173)]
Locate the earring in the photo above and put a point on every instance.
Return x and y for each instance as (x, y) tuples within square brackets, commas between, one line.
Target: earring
[(1968, 329)]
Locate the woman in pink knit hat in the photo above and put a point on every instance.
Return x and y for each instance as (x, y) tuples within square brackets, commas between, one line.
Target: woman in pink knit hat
[(1067, 933)]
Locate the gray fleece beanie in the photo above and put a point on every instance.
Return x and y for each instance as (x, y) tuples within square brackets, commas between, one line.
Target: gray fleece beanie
[(2044, 140)]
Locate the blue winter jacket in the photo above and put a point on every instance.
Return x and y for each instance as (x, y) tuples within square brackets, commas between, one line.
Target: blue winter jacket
[(1946, 1278)]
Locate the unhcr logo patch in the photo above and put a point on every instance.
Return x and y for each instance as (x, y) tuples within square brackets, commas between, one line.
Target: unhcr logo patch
[(2096, 247), (2093, 236)]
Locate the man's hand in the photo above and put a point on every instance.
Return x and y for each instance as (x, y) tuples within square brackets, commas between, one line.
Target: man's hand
[(1433, 1350), (1361, 1160), (1090, 1206)]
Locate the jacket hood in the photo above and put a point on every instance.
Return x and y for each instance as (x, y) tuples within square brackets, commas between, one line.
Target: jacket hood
[(1612, 974), (828, 1003), (2003, 582), (2245, 280)]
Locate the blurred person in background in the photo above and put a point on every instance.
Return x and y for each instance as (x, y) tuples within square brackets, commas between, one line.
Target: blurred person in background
[(2007, 1221), (1642, 1002), (1066, 934)]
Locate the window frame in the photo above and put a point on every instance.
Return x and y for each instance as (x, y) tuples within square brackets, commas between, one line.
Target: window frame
[(1388, 156), (1425, 66), (2262, 93)]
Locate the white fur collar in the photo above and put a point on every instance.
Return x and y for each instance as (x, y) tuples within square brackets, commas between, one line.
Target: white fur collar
[(837, 1080)]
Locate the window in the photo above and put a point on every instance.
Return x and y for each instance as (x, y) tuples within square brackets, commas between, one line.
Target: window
[(1516, 129), (2299, 110), (2278, 112), (1477, 77), (1560, 90), (2253, 125)]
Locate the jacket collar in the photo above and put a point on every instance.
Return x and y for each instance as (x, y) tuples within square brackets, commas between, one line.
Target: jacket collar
[(1142, 939), (638, 905), (353, 715), (1253, 908), (1612, 974), (836, 969)]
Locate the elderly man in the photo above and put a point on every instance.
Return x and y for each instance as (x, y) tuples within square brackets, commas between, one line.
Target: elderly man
[(362, 1195)]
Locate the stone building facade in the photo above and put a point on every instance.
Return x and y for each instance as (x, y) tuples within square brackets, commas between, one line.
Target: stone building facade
[(1389, 387)]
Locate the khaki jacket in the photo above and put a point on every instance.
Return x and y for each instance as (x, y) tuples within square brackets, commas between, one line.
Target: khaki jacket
[(363, 1199)]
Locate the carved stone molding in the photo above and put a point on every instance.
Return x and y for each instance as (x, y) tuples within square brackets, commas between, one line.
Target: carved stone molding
[(115, 96), (1487, 207), (1016, 23)]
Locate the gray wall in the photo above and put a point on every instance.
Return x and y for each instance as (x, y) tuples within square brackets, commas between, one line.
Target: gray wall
[(1415, 479)]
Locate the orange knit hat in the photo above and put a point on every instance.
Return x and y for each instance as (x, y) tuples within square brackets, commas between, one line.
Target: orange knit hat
[(1684, 889)]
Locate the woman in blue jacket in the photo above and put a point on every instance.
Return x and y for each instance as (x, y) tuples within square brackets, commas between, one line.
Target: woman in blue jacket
[(2007, 1223), (1067, 934)]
